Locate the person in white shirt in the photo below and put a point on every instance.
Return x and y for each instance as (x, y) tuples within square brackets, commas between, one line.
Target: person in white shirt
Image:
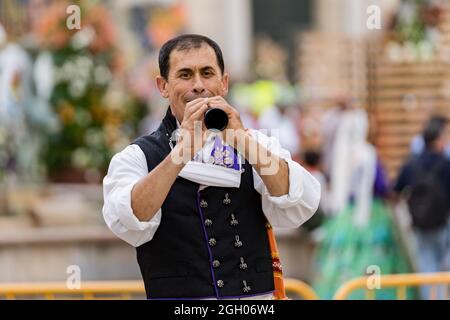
[(199, 224)]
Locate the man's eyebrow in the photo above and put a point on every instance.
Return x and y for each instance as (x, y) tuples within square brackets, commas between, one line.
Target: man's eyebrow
[(189, 70), (184, 70), (208, 68)]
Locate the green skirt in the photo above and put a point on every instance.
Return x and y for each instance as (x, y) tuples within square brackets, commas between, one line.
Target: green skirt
[(348, 252)]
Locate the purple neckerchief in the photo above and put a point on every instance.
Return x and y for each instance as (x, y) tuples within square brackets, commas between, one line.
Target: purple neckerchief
[(224, 155)]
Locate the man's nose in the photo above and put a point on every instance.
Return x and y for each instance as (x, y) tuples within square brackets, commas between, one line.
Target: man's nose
[(199, 86)]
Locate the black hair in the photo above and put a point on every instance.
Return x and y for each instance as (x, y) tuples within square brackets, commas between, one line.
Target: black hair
[(186, 42), (433, 130), (312, 157)]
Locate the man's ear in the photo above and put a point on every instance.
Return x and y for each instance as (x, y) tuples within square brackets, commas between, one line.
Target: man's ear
[(225, 83), (161, 82)]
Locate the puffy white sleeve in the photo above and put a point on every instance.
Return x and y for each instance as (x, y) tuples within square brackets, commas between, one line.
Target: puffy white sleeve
[(293, 209), (125, 170)]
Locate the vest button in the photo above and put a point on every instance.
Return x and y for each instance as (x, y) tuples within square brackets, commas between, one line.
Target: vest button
[(208, 222), (220, 283), (212, 242), (233, 221), (216, 263), (203, 204), (246, 288), (227, 199), (238, 243), (242, 265)]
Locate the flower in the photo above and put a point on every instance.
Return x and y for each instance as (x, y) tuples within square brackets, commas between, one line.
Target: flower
[(166, 23), (83, 38), (99, 19), (66, 112), (95, 115), (51, 30), (97, 33)]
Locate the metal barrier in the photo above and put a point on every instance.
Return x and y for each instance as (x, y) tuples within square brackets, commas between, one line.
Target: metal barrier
[(300, 288), (399, 281), (129, 289), (109, 290), (60, 290)]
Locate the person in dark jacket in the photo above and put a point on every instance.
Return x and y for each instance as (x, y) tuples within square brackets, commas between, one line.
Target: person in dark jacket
[(425, 180)]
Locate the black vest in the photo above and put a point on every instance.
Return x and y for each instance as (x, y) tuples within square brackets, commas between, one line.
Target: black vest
[(210, 243)]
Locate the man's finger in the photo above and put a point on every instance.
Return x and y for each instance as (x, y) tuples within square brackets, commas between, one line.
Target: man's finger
[(222, 106), (192, 106), (217, 99), (199, 113)]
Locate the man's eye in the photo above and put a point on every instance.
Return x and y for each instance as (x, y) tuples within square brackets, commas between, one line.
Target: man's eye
[(184, 75), (207, 73)]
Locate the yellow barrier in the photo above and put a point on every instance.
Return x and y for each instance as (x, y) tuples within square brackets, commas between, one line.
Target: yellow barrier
[(129, 289), (300, 288), (88, 290), (110, 290), (399, 281)]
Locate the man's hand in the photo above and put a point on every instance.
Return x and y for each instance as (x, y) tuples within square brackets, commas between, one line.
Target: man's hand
[(235, 128), (192, 128), (273, 170), (234, 119), (145, 202)]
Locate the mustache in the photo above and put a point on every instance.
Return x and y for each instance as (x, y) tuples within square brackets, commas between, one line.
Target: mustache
[(192, 96)]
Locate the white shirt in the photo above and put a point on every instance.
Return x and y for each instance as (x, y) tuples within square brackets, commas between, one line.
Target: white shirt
[(129, 166)]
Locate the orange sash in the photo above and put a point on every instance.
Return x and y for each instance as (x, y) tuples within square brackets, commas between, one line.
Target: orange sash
[(280, 291)]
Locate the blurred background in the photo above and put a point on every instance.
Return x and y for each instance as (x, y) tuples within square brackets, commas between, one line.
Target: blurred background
[(349, 100)]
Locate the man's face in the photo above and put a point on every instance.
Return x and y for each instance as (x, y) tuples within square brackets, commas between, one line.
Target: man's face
[(193, 74)]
